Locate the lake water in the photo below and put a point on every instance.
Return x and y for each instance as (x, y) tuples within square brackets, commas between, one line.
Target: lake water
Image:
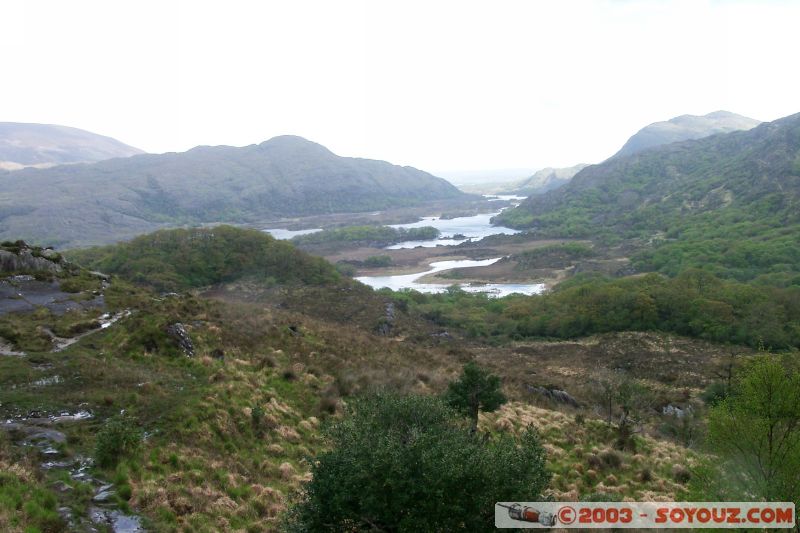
[(286, 234), (409, 281), (475, 227), (472, 228)]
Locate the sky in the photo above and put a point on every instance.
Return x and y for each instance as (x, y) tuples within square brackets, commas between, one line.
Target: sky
[(441, 85)]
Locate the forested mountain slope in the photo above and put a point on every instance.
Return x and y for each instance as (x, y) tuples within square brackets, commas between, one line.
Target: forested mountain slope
[(726, 202)]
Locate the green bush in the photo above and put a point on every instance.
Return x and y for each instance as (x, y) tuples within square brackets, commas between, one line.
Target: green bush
[(408, 463), (120, 437), (378, 261), (172, 260)]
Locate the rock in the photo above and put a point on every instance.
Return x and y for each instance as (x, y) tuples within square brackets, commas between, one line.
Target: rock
[(178, 332), (103, 496), (556, 395), (218, 353), (677, 412), (60, 486), (51, 255), (25, 260), (104, 277), (386, 322)]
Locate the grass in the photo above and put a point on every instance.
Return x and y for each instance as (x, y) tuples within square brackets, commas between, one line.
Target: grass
[(231, 430), (584, 463)]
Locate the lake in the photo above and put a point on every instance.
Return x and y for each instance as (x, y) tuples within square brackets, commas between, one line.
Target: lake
[(474, 227), (409, 281)]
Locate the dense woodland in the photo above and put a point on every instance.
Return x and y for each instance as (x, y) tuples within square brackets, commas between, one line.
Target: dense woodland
[(694, 303)]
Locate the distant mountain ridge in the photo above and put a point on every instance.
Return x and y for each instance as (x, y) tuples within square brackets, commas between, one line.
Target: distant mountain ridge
[(685, 127), (547, 179), (111, 200), (734, 196), (676, 179), (24, 144)]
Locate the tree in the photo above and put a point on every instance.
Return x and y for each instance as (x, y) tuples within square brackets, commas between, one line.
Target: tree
[(755, 431), (628, 398), (407, 463), (476, 390), (633, 400)]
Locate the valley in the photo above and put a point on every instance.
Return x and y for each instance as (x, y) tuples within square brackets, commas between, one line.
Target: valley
[(287, 337)]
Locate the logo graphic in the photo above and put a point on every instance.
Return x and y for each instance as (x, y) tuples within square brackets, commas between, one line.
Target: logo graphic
[(645, 515)]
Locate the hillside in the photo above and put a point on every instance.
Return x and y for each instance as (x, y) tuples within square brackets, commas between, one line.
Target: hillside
[(698, 198), (234, 395), (78, 205), (23, 145), (180, 259), (685, 127), (547, 179)]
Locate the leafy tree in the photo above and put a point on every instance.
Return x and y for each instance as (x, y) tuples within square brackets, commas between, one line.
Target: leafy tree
[(633, 399), (755, 431), (476, 390), (407, 463), (627, 398)]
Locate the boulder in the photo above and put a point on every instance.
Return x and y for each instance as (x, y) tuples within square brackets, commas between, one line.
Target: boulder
[(556, 395)]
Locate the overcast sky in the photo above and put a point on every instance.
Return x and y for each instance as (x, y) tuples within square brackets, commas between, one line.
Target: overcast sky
[(440, 85)]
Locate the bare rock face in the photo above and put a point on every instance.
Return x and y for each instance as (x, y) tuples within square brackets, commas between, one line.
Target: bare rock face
[(178, 332), (19, 257)]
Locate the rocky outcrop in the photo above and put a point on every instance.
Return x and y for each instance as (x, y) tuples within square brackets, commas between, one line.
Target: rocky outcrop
[(28, 259), (178, 333), (556, 395), (386, 322)]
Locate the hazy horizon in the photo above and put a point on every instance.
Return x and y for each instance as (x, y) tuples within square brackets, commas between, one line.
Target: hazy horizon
[(509, 88)]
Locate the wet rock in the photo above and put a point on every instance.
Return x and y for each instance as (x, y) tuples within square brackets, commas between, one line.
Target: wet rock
[(104, 494), (117, 521), (178, 332), (556, 395)]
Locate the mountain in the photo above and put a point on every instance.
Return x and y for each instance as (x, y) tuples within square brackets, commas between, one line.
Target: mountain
[(685, 127), (23, 145), (110, 200), (728, 202), (547, 179)]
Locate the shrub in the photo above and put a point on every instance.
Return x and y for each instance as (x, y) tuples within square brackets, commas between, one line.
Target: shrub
[(401, 463), (119, 437), (681, 474), (611, 458), (714, 393), (378, 261)]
